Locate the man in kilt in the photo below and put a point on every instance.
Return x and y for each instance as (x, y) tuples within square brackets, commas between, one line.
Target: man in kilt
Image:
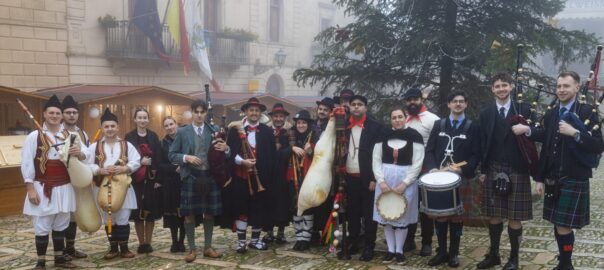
[(200, 195), (564, 170), (502, 159)]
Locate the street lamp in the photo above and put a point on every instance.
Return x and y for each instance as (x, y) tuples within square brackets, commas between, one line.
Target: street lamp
[(280, 56)]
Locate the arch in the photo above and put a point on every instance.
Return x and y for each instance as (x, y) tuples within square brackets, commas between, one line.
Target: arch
[(275, 85)]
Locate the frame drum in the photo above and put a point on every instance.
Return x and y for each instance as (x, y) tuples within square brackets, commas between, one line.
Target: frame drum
[(391, 206)]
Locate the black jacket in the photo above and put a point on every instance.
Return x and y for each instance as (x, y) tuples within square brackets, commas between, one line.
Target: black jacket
[(488, 118), (568, 165), (464, 149)]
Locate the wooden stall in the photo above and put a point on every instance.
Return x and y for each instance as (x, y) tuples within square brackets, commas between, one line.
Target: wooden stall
[(123, 101), (12, 120)]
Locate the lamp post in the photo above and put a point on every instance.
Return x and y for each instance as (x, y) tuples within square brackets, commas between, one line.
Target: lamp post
[(280, 56)]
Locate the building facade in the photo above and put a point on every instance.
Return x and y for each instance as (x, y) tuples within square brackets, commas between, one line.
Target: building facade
[(50, 43)]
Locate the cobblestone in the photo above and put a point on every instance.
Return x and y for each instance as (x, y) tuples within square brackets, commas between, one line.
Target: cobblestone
[(538, 249)]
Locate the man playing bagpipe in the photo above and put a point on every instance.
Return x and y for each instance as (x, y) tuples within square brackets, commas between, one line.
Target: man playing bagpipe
[(50, 197), (572, 144)]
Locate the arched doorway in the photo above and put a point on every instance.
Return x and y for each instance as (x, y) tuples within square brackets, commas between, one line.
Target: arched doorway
[(274, 85)]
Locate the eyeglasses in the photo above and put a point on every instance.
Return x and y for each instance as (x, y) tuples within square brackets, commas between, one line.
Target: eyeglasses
[(458, 101)]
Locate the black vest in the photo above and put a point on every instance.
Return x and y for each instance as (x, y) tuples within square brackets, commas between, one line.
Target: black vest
[(405, 154)]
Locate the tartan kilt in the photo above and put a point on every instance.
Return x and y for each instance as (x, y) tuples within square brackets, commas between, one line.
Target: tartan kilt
[(193, 203), (517, 205), (571, 208)]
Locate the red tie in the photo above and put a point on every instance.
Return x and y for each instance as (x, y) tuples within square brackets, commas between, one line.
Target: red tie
[(353, 122), (252, 128)]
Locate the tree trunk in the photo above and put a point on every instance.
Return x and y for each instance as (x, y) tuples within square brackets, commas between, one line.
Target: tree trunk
[(447, 63)]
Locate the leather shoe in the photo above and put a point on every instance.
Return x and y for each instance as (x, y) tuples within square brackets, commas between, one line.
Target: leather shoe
[(388, 258), (110, 255), (267, 239), (512, 264), (191, 256), (453, 260), (304, 245), (489, 261), (280, 239), (211, 253), (400, 258), (341, 255), (127, 254), (426, 250), (367, 255), (438, 259), (75, 254)]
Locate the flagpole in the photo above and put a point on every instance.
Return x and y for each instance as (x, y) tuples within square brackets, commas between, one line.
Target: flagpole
[(163, 21)]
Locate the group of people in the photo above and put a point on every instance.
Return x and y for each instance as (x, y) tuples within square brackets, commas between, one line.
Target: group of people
[(176, 177)]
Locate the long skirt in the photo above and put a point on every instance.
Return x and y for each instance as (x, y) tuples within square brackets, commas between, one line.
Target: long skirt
[(394, 175)]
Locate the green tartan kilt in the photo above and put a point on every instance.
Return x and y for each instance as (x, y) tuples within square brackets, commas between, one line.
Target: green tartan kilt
[(192, 202), (571, 208)]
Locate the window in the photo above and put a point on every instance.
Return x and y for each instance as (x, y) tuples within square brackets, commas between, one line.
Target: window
[(211, 14), (275, 20), (326, 16)]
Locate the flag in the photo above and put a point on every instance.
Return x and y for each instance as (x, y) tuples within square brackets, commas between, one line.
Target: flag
[(146, 18), (197, 34), (175, 18)]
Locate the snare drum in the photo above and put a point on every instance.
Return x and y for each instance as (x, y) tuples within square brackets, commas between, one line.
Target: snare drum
[(440, 194)]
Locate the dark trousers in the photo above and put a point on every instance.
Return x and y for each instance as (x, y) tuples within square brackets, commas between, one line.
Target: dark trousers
[(360, 209)]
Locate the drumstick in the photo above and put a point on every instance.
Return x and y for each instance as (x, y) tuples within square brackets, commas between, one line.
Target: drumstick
[(459, 164)]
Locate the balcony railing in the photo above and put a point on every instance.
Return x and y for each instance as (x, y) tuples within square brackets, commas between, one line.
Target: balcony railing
[(125, 41)]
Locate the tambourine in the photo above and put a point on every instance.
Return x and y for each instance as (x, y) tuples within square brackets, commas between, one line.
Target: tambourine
[(391, 206)]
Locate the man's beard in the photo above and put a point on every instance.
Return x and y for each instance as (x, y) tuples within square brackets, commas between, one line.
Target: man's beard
[(278, 124), (413, 109)]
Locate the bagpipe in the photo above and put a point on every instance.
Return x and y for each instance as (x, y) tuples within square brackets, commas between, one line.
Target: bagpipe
[(216, 159)]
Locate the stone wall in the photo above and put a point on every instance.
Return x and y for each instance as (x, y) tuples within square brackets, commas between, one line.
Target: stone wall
[(33, 44)]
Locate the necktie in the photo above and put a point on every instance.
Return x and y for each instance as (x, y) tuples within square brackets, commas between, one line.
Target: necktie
[(562, 111), (199, 131), (252, 129), (455, 122), (502, 112)]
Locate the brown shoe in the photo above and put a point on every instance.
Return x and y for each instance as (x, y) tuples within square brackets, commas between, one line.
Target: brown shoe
[(111, 255), (127, 254), (66, 265), (191, 256), (211, 253)]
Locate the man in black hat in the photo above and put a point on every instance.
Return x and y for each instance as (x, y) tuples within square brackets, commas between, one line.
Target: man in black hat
[(344, 98), (281, 216), (50, 198), (420, 119), (71, 114), (253, 153), (360, 181), (324, 108), (110, 156)]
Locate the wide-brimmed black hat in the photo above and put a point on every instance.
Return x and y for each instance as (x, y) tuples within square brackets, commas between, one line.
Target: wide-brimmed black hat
[(412, 93), (108, 116), (53, 102), (327, 102), (303, 115), (253, 102), (278, 108), (359, 97), (69, 102)]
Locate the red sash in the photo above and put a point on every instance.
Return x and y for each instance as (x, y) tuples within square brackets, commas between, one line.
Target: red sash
[(55, 175)]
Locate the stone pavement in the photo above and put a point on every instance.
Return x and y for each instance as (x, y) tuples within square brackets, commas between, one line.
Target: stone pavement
[(538, 250)]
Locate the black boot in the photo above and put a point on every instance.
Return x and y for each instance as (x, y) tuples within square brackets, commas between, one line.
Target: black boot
[(454, 239), (41, 247), (58, 243), (492, 258), (441, 235), (515, 238), (427, 233), (410, 240)]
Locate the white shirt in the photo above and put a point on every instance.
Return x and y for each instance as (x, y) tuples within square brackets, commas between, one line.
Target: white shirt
[(352, 159), (251, 139), (416, 165), (424, 125), (112, 154), (29, 151), (506, 106)]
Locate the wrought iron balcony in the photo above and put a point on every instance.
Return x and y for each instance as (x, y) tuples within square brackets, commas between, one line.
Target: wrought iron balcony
[(125, 42)]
